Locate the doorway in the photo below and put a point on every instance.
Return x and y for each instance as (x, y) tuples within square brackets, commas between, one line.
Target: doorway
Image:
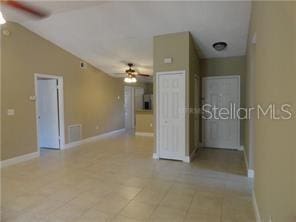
[(49, 111), (170, 115), (129, 107), (221, 92)]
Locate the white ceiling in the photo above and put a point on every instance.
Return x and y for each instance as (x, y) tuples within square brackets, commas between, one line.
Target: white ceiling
[(110, 34)]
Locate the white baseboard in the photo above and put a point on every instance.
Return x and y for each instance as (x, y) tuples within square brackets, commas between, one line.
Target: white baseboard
[(250, 172), (155, 156), (186, 159), (256, 209), (92, 139), (144, 134), (19, 159), (240, 148)]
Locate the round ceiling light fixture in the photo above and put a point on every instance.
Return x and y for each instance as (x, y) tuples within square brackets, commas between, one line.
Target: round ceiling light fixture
[(130, 79), (219, 46)]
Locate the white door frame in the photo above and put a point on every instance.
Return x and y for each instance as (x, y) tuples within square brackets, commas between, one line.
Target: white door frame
[(158, 74), (239, 96), (133, 106), (61, 106)]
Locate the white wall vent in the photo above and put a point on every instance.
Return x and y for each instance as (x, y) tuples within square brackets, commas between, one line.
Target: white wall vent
[(74, 133), (83, 65)]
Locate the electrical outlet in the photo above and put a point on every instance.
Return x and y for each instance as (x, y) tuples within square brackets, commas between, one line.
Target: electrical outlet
[(97, 127), (150, 124)]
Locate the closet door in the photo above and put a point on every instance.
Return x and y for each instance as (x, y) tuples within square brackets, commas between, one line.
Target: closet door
[(171, 116)]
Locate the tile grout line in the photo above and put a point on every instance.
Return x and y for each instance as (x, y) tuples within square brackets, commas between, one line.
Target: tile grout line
[(157, 205), (187, 211)]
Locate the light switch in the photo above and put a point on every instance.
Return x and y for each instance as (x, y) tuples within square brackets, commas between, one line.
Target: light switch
[(32, 98), (118, 97), (10, 112)]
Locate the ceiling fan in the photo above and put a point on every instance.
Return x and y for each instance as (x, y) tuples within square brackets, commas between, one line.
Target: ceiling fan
[(131, 74), (23, 7)]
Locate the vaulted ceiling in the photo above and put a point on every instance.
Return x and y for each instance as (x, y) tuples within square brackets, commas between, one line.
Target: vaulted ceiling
[(110, 34)]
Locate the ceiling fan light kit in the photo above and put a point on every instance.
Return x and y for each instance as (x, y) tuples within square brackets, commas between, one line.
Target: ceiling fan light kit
[(130, 80), (132, 74)]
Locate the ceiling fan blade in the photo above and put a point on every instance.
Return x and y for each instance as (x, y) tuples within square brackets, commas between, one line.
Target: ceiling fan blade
[(141, 74), (26, 8)]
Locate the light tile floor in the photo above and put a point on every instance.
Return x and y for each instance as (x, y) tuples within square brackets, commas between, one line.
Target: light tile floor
[(116, 179)]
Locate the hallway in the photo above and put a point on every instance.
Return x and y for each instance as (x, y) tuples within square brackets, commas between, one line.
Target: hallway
[(116, 179)]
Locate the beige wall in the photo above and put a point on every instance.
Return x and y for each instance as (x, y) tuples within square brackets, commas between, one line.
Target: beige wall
[(90, 96), (228, 66), (249, 126), (144, 122), (148, 89), (275, 157), (194, 95), (180, 47), (176, 46)]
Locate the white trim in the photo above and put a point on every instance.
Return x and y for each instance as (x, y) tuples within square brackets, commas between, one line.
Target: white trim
[(239, 104), (254, 38), (186, 159), (183, 72), (61, 106), (256, 209), (144, 134), (92, 139), (155, 156), (240, 148), (19, 159), (250, 172)]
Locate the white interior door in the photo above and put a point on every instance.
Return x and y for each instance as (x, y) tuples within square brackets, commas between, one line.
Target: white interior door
[(129, 107), (48, 113), (221, 92), (171, 116)]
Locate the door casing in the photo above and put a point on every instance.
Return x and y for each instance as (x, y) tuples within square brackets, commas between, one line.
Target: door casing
[(60, 105)]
